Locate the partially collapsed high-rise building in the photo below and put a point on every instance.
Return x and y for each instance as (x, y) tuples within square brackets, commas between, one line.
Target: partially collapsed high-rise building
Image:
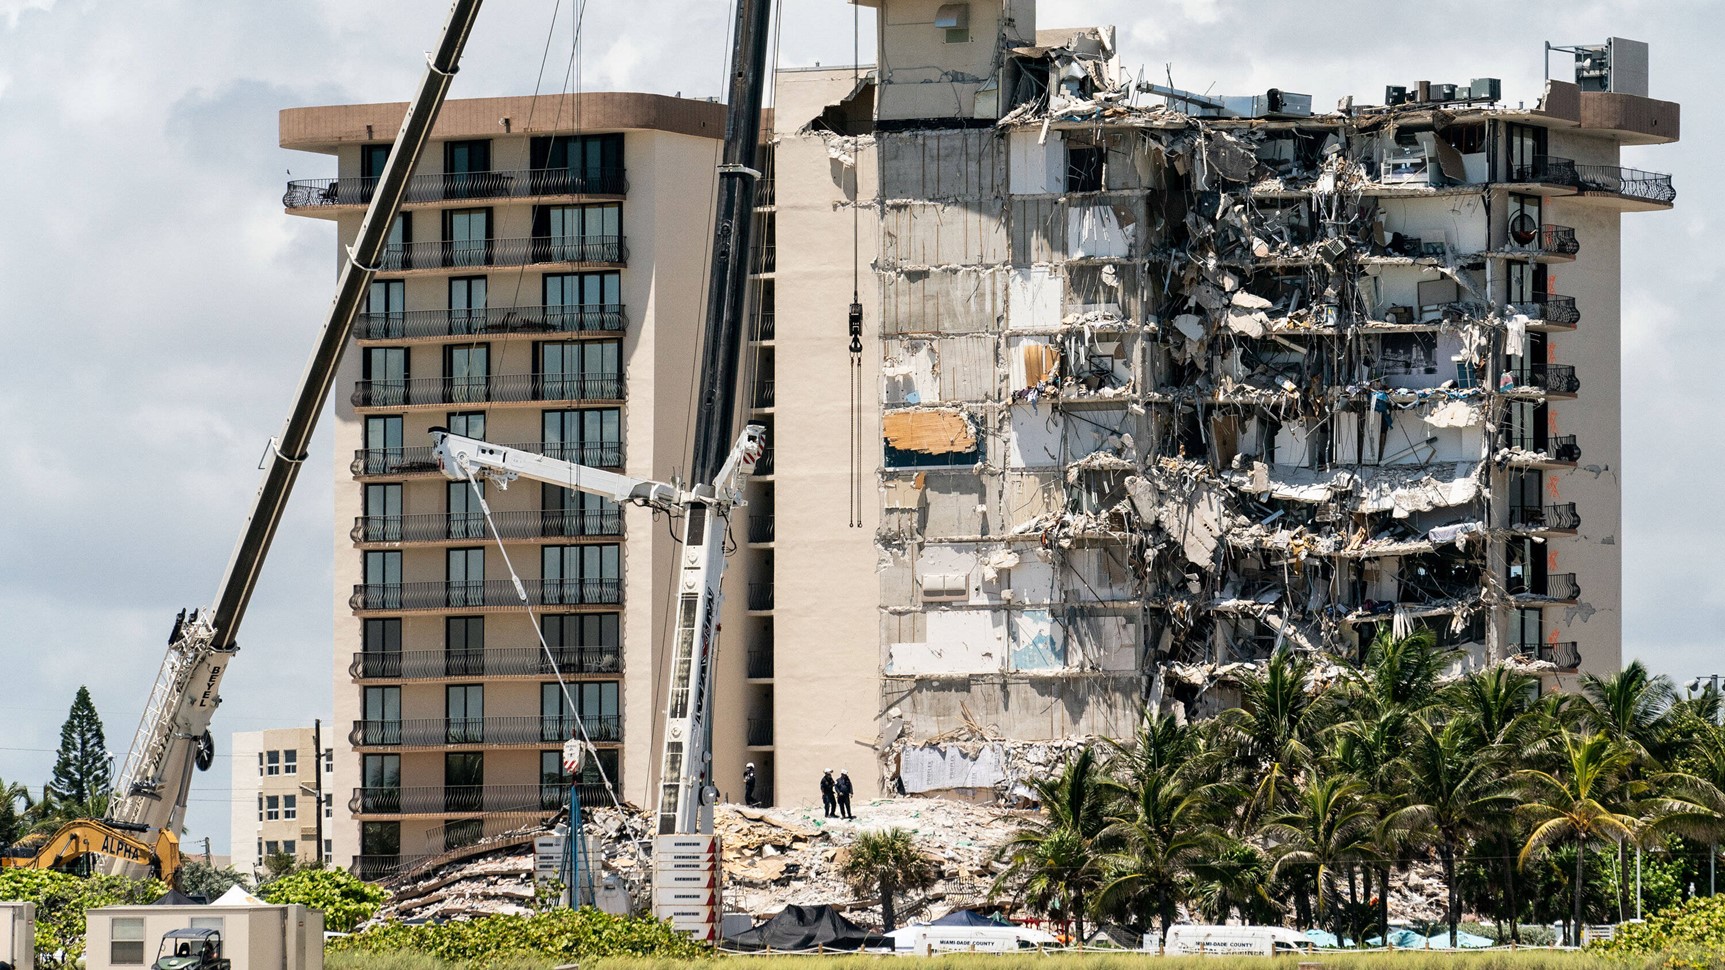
[(1153, 382)]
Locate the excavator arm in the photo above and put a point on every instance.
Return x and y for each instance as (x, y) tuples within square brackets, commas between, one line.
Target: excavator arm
[(74, 841)]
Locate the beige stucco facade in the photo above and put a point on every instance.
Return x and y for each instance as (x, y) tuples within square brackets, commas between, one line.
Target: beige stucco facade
[(253, 937), (275, 810), (592, 265)]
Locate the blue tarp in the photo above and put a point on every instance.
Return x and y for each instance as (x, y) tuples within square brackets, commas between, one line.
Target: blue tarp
[(964, 917), (1322, 938), (1464, 940)]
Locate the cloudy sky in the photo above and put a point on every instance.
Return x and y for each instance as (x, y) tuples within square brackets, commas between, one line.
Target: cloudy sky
[(160, 305)]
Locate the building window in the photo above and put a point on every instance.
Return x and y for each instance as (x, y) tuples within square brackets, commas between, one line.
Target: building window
[(328, 851), (380, 640), (467, 373), (217, 923), (382, 512), (372, 159), (380, 839), (468, 424), (260, 808), (465, 167), (290, 762), (467, 302), (464, 646), (380, 783), (382, 579), (466, 515), (272, 847), (579, 233), (288, 847), (595, 702), (599, 765), (260, 764), (290, 807), (586, 437), (578, 164), (386, 310), (260, 847), (465, 571), (463, 781), (272, 808), (1084, 168), (577, 575), (396, 250), (272, 762), (566, 512), (464, 711), (382, 710), (467, 237), (126, 946), (578, 370), (329, 753), (329, 806)]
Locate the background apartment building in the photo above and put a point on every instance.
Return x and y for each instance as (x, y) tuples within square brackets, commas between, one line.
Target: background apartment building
[(543, 287), (1152, 389), (275, 810)]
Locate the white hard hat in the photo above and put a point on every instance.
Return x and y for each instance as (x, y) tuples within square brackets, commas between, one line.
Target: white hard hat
[(749, 765)]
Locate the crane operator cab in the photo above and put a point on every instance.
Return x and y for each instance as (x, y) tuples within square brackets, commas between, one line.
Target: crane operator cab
[(191, 949)]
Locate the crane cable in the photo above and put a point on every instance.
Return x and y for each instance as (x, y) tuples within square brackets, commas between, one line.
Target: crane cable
[(854, 320), (551, 659)]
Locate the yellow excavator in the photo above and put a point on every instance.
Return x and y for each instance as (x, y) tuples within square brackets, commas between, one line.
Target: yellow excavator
[(72, 845)]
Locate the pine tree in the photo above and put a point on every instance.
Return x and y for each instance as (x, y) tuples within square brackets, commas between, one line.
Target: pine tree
[(83, 769)]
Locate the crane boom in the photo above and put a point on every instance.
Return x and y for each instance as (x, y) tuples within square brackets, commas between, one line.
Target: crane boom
[(173, 734)]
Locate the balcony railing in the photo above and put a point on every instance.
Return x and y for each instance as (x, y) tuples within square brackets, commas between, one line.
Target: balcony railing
[(419, 461), (373, 868), (445, 253), (766, 258), (761, 528), (761, 663), (765, 327), (1548, 308), (1549, 518), (438, 527), (764, 465), (760, 596), (1551, 378), (1546, 169), (760, 732), (303, 193), (403, 324), (1563, 656), (505, 662), (1563, 447), (764, 392), (763, 192), (502, 388), (1557, 586), (1558, 240), (1630, 183), (407, 597), (441, 799), (439, 731)]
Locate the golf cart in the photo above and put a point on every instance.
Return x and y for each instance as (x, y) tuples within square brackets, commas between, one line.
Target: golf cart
[(191, 949)]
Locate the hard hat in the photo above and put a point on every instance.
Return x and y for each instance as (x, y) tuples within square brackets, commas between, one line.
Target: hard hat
[(749, 765)]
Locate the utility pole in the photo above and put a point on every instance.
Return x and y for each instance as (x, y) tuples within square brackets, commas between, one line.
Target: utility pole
[(317, 781), (209, 860)]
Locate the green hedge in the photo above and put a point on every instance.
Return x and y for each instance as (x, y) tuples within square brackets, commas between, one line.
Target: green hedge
[(61, 899), (496, 942)]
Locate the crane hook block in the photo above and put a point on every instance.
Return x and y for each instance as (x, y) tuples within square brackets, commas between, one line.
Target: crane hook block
[(856, 328)]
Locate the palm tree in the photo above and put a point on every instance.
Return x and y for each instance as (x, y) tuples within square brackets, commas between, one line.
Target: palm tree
[(14, 798), (1273, 729), (1235, 879), (1577, 801), (887, 863), (1330, 824), (1056, 864), (1454, 787), (1629, 707), (1160, 832)]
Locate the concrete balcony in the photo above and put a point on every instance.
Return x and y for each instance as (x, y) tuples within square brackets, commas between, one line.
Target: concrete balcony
[(419, 462), (446, 254), (467, 526), (483, 595), (500, 389), (469, 799), (491, 732), (1548, 312), (1543, 380), (1556, 451), (1547, 520), (525, 662), (434, 324), (1556, 589), (1626, 189), (607, 183), (1564, 656)]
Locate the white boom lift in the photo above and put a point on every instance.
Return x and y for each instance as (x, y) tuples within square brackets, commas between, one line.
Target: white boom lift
[(700, 574)]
